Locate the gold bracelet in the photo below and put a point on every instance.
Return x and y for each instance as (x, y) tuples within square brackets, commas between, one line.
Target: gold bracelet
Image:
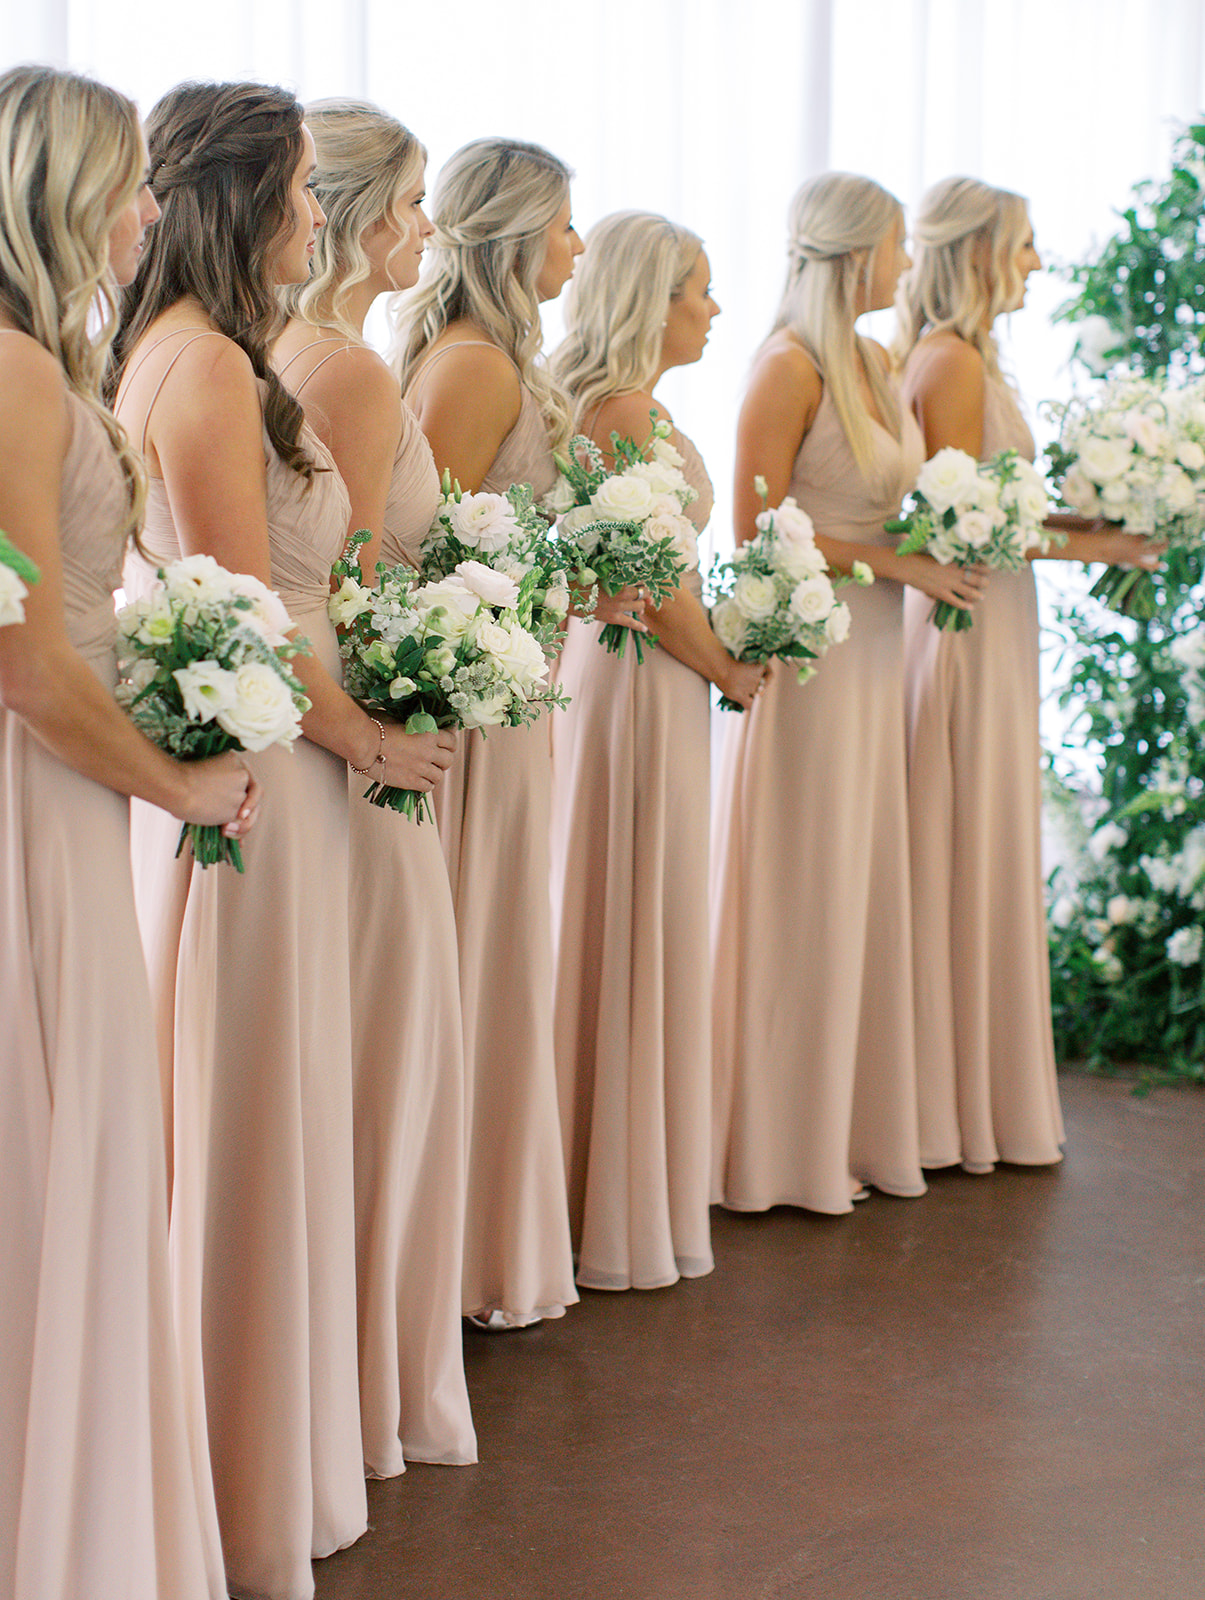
[(380, 755)]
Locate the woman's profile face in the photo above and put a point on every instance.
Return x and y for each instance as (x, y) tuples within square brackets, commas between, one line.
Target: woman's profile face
[(888, 261), (395, 244), (127, 229), (294, 253), (561, 249), (689, 317)]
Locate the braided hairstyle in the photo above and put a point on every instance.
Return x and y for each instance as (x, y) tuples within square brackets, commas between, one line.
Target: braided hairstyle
[(223, 157)]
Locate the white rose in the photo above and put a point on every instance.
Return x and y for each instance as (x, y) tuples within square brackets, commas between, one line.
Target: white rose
[(941, 548), (206, 688), (573, 522), (483, 521), (947, 478), (560, 497), (12, 592), (836, 625), (1095, 338), (1079, 491), (728, 626), (495, 588), (1189, 454), (623, 499), (1146, 433), (791, 523), (682, 531), (1177, 491), (797, 561), (557, 599), (661, 477), (1102, 460), (974, 528), (262, 711), (518, 654), (348, 602), (487, 710), (666, 453), (755, 597), (812, 600)]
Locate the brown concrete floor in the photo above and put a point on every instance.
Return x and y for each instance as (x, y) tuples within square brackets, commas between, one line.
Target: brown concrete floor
[(995, 1391)]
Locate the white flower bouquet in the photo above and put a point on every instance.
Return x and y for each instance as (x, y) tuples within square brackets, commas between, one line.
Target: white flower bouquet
[(203, 668), (505, 532), (18, 574), (447, 654), (776, 596), (625, 528), (1134, 453), (976, 513)]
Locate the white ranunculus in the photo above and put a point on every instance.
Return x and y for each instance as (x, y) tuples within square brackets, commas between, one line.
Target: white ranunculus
[(1103, 460), (1184, 946), (483, 521), (261, 712), (1190, 455), (836, 626), (348, 602), (623, 498), (813, 599), (974, 528), (755, 597), (206, 688), (520, 657), (198, 580), (495, 588), (728, 626), (12, 592), (947, 478)]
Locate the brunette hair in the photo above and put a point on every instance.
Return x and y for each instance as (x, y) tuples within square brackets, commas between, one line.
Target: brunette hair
[(223, 157)]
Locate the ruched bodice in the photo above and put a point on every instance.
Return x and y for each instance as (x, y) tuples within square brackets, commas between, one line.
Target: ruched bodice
[(525, 455), (413, 493), (92, 510), (840, 498), (1004, 428)]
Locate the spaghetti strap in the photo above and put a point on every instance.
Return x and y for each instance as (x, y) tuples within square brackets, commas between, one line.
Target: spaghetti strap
[(344, 344), (459, 344), (210, 333)]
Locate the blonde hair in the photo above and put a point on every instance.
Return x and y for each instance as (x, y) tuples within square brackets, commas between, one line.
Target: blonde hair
[(493, 203), (836, 221), (70, 159), (635, 264), (366, 161), (966, 238)]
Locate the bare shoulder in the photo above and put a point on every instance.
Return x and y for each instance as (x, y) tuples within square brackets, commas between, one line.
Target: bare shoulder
[(783, 365), (30, 375), (631, 416), (945, 360), (357, 375), (462, 363), (879, 356)]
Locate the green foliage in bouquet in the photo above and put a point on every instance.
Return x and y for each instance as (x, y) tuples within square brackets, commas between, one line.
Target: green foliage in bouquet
[(1128, 908)]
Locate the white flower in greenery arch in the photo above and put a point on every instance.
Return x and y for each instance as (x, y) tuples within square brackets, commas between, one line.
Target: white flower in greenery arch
[(1184, 946)]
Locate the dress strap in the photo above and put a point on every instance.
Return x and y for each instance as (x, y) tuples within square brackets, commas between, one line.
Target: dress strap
[(209, 333), (460, 344), (344, 344)]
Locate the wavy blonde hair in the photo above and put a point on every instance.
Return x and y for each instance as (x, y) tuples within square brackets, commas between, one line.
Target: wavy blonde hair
[(493, 203), (367, 161), (635, 264), (836, 221), (966, 237), (70, 159)]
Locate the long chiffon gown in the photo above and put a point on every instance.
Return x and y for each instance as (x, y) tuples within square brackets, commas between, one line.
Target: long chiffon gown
[(985, 1049), (493, 808), (815, 1080), (263, 1209), (631, 780), (408, 1062), (98, 1494)]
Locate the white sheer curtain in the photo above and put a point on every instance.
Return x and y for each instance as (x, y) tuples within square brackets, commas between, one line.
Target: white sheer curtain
[(713, 112)]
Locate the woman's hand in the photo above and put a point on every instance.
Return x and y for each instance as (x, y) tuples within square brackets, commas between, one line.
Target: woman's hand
[(1105, 541), (744, 681), (628, 609), (221, 793), (414, 760), (957, 586)]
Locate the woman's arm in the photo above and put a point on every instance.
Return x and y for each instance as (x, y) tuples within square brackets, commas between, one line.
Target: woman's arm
[(43, 678), (207, 436)]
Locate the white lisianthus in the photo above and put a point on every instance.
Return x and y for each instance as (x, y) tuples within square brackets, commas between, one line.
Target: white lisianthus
[(267, 616), (348, 602), (520, 657), (261, 711), (483, 521), (205, 688), (558, 600), (947, 478), (728, 626), (973, 528), (13, 591), (495, 588), (662, 429), (755, 597), (836, 624), (623, 499), (760, 487), (154, 618), (862, 574), (1184, 946), (812, 600)]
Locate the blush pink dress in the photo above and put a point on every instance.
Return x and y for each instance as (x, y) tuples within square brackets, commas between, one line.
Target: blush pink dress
[(815, 1075), (631, 779), (98, 1492), (494, 819), (984, 1044), (408, 1061), (263, 1210)]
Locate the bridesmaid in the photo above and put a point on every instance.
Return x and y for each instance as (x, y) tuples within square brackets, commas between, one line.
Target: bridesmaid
[(467, 351), (263, 1221), (815, 1073), (98, 1494), (985, 1051), (407, 1042), (630, 821)]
